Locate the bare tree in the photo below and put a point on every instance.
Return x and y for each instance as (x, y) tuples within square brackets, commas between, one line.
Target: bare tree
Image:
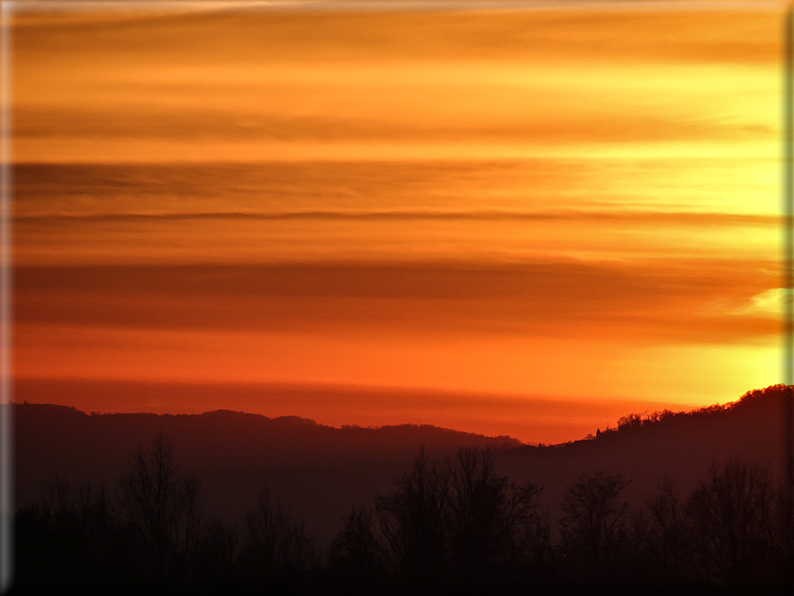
[(730, 511), (357, 551), (490, 520), (217, 552), (460, 520), (163, 505), (412, 520), (593, 526), (784, 531), (274, 543), (662, 534), (192, 506)]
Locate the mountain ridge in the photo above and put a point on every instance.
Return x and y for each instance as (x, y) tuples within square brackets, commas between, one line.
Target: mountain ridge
[(321, 471)]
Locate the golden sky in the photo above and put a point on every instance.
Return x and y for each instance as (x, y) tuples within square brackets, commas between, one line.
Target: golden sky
[(527, 221)]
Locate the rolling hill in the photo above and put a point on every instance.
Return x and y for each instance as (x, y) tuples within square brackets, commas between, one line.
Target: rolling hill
[(319, 472)]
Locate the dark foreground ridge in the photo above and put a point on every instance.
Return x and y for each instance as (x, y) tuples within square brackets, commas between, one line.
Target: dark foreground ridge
[(227, 501)]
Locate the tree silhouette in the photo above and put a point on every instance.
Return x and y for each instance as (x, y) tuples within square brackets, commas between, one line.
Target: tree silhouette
[(217, 553), (784, 531), (593, 526), (412, 520), (730, 511), (274, 544), (162, 505), (357, 552), (663, 535), (459, 521), (72, 535), (490, 520)]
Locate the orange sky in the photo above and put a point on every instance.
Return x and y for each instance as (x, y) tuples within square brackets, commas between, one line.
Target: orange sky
[(526, 222)]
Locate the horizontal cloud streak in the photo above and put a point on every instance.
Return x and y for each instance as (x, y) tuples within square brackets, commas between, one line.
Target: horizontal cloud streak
[(683, 300), (621, 34), (208, 86), (199, 126), (645, 217)]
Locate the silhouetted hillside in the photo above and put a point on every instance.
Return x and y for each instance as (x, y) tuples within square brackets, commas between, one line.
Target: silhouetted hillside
[(645, 448), (320, 471)]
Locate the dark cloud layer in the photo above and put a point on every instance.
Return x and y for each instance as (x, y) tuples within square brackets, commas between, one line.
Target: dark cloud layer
[(637, 217), (689, 300), (198, 124)]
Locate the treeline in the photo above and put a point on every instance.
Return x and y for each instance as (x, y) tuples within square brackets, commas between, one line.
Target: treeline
[(770, 398), (153, 534), (459, 522), (447, 523)]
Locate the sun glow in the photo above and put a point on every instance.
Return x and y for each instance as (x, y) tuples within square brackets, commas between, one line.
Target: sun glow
[(513, 203)]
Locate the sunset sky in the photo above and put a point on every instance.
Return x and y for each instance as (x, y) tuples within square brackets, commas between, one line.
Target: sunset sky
[(526, 221)]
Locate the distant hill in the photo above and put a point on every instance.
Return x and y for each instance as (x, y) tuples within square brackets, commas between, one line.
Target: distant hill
[(320, 471), (681, 444)]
